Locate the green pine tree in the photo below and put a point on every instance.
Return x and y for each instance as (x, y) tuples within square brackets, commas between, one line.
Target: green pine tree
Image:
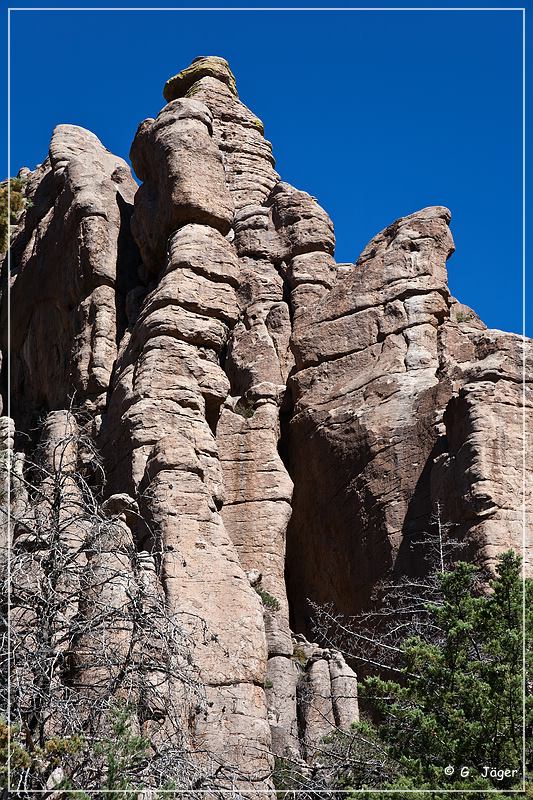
[(458, 702)]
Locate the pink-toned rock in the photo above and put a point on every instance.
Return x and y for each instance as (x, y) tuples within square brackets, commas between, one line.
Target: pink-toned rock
[(318, 708), (257, 507), (344, 692), (274, 426), (238, 133), (281, 692), (183, 178), (482, 481), (74, 260), (169, 371), (366, 395)]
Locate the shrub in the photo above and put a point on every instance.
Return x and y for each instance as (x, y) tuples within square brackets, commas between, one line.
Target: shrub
[(298, 655), (269, 601), (244, 408), (17, 203)]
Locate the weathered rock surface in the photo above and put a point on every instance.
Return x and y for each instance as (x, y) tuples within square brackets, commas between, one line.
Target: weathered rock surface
[(237, 132), (274, 427), (327, 692), (484, 479), (201, 67), (366, 396), (169, 371), (183, 178), (74, 261)]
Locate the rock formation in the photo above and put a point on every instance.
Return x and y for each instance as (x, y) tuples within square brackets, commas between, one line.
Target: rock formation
[(274, 427)]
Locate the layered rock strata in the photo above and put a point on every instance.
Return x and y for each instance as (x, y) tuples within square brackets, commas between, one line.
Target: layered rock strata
[(484, 479), (274, 427)]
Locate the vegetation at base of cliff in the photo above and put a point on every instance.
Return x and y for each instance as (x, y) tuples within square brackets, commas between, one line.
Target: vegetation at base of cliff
[(455, 702), (68, 718), (459, 702), (17, 203), (118, 756), (450, 694)]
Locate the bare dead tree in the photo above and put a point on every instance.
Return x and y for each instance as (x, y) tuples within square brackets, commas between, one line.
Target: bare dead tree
[(90, 632), (103, 688), (398, 608)]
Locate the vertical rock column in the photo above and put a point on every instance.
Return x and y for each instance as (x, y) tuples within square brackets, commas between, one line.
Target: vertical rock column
[(257, 487), (288, 224), (482, 482), (74, 259), (158, 435), (327, 691), (282, 239)]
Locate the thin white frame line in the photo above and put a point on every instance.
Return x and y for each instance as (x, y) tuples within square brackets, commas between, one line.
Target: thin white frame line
[(8, 476), (275, 792), (267, 8), (524, 429)]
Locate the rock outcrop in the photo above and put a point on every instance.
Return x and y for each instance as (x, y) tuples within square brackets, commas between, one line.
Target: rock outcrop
[(483, 479), (274, 427), (366, 397), (74, 260)]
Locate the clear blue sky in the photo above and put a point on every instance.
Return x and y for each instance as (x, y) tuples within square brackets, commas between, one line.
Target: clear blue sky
[(377, 114)]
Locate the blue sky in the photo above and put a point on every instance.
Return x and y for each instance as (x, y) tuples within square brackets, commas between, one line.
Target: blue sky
[(375, 113)]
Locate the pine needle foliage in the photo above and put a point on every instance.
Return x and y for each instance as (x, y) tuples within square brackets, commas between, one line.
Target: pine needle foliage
[(452, 717)]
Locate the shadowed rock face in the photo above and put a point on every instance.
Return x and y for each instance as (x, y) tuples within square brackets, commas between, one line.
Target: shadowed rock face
[(284, 424), (366, 398)]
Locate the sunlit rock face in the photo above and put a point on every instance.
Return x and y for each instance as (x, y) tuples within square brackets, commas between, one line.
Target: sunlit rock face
[(282, 425), (72, 260)]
